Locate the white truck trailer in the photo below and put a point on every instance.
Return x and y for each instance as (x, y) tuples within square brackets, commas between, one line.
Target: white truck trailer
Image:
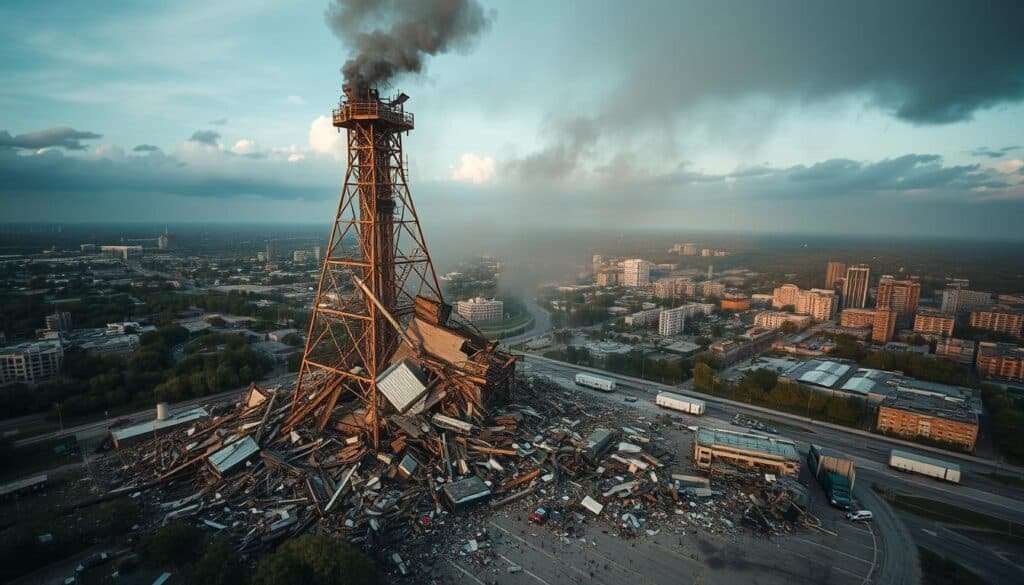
[(924, 465), (680, 403), (595, 382)]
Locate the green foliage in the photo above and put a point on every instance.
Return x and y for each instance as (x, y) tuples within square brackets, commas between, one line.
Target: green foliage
[(704, 377), (314, 559), (1007, 415), (848, 348), (173, 545), (219, 565)]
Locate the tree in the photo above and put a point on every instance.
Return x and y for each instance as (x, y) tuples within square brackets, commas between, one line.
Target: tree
[(219, 565), (175, 544), (314, 559), (787, 327), (703, 376)]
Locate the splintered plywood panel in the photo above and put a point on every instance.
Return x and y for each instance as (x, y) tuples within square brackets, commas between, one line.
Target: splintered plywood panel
[(438, 341), (401, 384)]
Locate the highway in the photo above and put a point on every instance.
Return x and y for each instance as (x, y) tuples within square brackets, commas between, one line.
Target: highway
[(870, 454)]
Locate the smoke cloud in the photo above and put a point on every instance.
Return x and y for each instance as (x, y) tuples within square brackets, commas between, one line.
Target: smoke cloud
[(391, 37)]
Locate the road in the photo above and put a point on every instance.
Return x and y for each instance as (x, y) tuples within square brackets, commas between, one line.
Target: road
[(541, 325), (100, 427), (985, 560), (870, 454)]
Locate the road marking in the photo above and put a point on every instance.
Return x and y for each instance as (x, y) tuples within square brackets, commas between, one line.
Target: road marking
[(465, 572), (874, 555), (557, 561), (930, 533), (525, 570), (831, 567), (586, 549), (854, 557)]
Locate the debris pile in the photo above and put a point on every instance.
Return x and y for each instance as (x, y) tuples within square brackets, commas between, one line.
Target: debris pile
[(552, 453)]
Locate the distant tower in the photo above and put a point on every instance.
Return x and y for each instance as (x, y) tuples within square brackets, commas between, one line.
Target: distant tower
[(270, 251), (711, 271), (316, 253), (834, 271), (855, 289), (376, 264)]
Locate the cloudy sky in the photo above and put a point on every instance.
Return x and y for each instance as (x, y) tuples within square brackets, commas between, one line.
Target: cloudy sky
[(851, 117)]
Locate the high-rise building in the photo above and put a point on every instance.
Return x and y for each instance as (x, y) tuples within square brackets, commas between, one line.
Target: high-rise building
[(165, 240), (901, 296), (636, 272), (855, 289), (834, 271), (961, 300), (934, 323), (775, 319), (596, 263), (857, 318), (480, 310), (270, 251), (609, 277), (671, 321), (123, 252), (961, 350), (999, 319), (689, 249), (711, 271), (821, 304), (316, 253), (884, 326)]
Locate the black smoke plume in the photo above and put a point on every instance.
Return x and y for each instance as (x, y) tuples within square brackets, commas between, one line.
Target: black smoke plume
[(390, 37)]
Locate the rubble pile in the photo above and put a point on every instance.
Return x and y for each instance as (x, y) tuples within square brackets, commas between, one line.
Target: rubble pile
[(552, 455)]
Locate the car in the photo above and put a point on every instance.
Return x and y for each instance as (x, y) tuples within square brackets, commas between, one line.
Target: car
[(539, 516), (860, 516), (630, 399), (92, 561)]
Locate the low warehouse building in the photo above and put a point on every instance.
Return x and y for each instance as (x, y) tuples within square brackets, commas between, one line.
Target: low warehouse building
[(777, 455)]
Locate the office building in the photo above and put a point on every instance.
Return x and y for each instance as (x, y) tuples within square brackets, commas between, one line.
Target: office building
[(643, 318), (775, 319), (671, 321), (480, 310), (596, 263), (689, 249), (59, 321), (857, 318), (819, 303), (1001, 361), (636, 272), (959, 350), (855, 287), (609, 277), (884, 326), (834, 272), (316, 253), (709, 288), (961, 300), (911, 414), (928, 322), (998, 319), (87, 248), (30, 362), (901, 296), (123, 252)]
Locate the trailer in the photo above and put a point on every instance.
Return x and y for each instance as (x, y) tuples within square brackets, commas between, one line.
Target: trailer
[(680, 403), (924, 465), (836, 474), (595, 382)]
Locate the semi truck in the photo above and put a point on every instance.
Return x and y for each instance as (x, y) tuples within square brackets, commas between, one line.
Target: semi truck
[(924, 465), (836, 474), (680, 403), (595, 382)]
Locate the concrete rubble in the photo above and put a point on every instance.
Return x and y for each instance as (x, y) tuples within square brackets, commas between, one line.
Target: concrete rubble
[(426, 494)]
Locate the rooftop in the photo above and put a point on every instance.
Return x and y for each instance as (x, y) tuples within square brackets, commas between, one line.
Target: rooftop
[(749, 443), (151, 426), (931, 406)]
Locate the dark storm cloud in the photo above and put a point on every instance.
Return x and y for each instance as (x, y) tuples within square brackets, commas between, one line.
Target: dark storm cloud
[(390, 37), (208, 137), (146, 148), (52, 174), (985, 151), (218, 122), (61, 136)]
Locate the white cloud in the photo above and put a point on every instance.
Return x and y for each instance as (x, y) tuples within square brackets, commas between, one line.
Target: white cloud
[(324, 138), (473, 169), (244, 146), (294, 100), (1009, 166)]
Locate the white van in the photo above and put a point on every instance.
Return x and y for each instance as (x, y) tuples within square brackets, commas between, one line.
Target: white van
[(860, 516)]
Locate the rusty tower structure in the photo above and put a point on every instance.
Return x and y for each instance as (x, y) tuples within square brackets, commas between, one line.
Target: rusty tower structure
[(376, 264)]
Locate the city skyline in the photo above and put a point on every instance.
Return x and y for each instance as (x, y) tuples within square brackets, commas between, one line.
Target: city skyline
[(205, 119)]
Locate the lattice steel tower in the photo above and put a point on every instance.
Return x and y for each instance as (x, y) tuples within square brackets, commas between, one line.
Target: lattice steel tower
[(376, 247)]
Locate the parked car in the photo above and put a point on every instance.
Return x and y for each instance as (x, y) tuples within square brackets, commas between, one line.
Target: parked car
[(539, 516), (630, 399), (860, 516)]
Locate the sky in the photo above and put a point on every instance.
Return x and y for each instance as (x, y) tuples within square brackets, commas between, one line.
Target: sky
[(869, 117)]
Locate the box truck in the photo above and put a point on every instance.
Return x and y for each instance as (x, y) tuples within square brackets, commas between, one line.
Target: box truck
[(595, 382), (680, 403), (924, 465), (836, 474)]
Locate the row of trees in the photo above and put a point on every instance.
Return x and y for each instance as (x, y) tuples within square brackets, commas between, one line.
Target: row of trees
[(92, 384), (762, 387), (1006, 411), (943, 371), (310, 559)]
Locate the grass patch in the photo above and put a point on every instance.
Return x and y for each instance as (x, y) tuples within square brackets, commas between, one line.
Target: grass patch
[(950, 514), (38, 457), (1010, 480), (939, 569)]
